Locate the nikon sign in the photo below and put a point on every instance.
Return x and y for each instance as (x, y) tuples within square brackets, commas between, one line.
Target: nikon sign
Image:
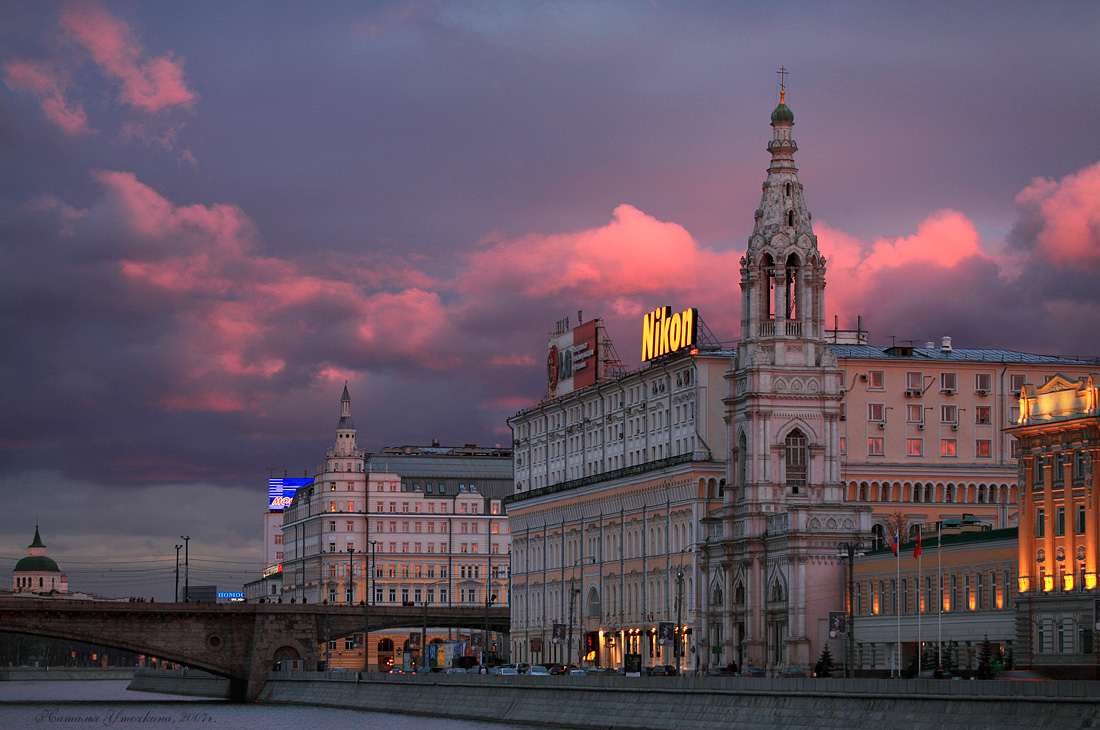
[(664, 332)]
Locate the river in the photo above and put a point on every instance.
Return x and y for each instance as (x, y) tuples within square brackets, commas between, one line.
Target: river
[(88, 705)]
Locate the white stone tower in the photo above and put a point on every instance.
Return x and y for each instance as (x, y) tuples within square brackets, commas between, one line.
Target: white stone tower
[(784, 513)]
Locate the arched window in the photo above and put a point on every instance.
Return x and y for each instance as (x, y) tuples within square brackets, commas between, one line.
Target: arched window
[(796, 461), (880, 535), (767, 264), (742, 459)]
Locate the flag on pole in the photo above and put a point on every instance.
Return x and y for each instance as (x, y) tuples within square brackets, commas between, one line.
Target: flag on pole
[(916, 550), (894, 545)]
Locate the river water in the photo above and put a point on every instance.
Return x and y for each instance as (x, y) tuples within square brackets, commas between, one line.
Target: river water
[(78, 705)]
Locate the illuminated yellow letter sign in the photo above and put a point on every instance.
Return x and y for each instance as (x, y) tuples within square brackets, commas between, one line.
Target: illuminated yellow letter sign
[(664, 332)]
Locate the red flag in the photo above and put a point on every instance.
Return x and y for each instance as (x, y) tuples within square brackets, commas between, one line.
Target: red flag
[(916, 550)]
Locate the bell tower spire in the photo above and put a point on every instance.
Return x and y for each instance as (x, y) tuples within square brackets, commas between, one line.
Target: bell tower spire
[(782, 273)]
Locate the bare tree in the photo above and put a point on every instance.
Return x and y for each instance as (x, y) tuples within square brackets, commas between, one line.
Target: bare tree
[(896, 524)]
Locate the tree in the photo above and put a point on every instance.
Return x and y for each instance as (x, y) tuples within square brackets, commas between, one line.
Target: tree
[(896, 524), (985, 659), (825, 664)]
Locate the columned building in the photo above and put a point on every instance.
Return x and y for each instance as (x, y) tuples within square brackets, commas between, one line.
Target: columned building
[(1059, 549), (784, 511)]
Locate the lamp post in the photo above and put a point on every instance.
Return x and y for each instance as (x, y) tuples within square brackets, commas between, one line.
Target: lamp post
[(178, 547), (366, 607), (851, 550), (679, 618), (186, 568), (573, 591)]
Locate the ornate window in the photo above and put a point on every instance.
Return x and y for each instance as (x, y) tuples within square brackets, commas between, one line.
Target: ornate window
[(796, 461)]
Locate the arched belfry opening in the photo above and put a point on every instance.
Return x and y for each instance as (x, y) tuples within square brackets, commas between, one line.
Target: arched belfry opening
[(794, 286)]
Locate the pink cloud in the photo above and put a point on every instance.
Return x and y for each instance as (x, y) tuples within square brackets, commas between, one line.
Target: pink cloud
[(48, 86), (148, 84), (1064, 216), (633, 254)]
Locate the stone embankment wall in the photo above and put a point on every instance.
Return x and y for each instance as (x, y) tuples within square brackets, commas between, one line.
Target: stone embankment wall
[(189, 682), (704, 703), (36, 674)]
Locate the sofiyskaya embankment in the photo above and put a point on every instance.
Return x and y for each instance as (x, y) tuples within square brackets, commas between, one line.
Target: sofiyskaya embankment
[(704, 703)]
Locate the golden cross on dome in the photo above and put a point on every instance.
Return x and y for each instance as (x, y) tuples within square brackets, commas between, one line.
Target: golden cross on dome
[(782, 83)]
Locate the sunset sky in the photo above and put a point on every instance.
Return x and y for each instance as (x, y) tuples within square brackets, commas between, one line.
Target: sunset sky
[(212, 214)]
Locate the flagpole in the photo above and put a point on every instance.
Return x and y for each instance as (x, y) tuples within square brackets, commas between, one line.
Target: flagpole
[(897, 601), (919, 657), (939, 597)]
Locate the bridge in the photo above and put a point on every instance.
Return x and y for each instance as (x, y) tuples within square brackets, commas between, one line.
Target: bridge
[(240, 641)]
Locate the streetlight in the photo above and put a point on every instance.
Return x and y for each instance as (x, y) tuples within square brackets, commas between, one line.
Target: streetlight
[(679, 618), (351, 575), (424, 629), (186, 567), (573, 591), (178, 573), (366, 608), (851, 550)]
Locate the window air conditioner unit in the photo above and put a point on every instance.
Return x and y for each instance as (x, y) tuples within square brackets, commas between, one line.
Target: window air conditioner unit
[(912, 393), (920, 426), (882, 425), (983, 391), (948, 391), (954, 427)]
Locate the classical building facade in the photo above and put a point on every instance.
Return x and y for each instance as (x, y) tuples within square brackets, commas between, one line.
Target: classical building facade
[(1059, 447), (957, 594), (606, 545), (410, 525)]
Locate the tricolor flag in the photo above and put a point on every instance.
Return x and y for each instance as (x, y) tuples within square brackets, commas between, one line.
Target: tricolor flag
[(894, 545), (916, 550)]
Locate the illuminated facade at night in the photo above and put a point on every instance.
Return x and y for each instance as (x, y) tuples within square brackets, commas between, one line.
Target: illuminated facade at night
[(428, 521), (961, 596), (1059, 447)]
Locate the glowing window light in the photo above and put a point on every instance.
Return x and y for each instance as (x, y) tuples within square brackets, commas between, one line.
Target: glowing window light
[(1048, 583)]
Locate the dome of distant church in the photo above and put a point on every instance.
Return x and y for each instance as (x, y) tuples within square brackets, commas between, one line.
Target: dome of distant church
[(38, 564), (782, 113)]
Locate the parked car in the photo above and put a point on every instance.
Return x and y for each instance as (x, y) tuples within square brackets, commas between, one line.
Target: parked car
[(577, 672), (537, 670), (663, 670), (599, 671), (721, 672), (455, 670), (793, 672), (751, 672), (510, 671), (523, 668)]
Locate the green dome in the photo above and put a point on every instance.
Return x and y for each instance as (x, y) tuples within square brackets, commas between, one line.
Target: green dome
[(37, 564), (782, 113)]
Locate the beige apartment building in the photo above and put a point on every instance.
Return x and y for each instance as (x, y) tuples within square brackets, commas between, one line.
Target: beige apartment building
[(923, 432), (410, 525)]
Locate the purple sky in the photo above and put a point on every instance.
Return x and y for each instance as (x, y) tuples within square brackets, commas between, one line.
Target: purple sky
[(212, 214)]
